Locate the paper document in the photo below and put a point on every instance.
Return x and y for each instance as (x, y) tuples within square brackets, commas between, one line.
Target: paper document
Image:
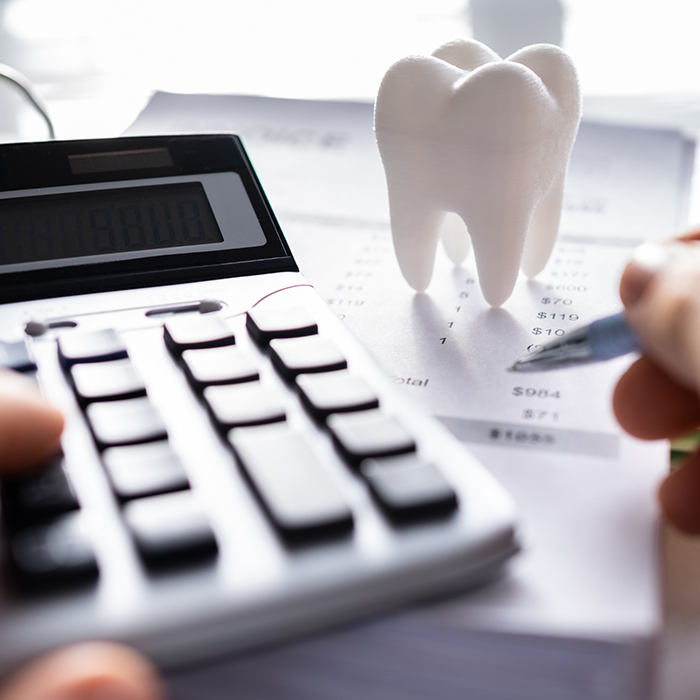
[(586, 491)]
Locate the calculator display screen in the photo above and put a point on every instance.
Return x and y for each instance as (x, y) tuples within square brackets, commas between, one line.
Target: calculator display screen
[(139, 219), (102, 222), (99, 215)]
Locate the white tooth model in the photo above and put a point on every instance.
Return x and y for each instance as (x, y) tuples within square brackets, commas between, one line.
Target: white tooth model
[(468, 138)]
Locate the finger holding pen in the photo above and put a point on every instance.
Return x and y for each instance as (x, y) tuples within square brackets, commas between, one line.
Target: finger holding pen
[(658, 396), (660, 289)]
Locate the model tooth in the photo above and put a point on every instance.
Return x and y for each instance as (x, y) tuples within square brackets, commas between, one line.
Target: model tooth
[(465, 135)]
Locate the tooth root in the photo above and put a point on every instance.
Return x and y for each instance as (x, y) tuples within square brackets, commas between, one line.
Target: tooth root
[(498, 246), (455, 237), (415, 219), (544, 227), (415, 226)]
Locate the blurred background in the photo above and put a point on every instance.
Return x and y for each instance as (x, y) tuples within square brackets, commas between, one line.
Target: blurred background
[(96, 62)]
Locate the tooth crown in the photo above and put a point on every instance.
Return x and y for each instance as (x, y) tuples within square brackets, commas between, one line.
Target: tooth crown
[(465, 133)]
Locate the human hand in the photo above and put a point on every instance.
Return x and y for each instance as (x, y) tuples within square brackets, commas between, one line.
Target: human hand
[(29, 435), (658, 397), (90, 671)]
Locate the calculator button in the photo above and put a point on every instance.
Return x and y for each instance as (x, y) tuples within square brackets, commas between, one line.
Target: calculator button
[(367, 434), (293, 356), (298, 494), (229, 365), (266, 324), (193, 331), (243, 404), (38, 497), (17, 356), (335, 392), (126, 422), (409, 488), (150, 469), (170, 529), (90, 346), (106, 381), (54, 553)]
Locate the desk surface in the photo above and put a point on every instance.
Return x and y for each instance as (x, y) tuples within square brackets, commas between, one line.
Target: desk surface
[(97, 64)]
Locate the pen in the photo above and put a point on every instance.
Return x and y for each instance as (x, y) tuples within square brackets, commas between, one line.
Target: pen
[(603, 339)]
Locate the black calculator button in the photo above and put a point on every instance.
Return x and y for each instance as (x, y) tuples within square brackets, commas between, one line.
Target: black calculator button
[(150, 469), (335, 392), (409, 488), (365, 434), (293, 356), (38, 497), (106, 381), (214, 366), (170, 529), (54, 553), (128, 422), (293, 322), (90, 346), (246, 404), (193, 331), (297, 492)]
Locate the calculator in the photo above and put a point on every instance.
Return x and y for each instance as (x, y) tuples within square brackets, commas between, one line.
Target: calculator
[(236, 469)]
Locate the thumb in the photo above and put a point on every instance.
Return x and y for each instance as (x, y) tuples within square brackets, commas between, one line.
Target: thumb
[(30, 428), (91, 671), (661, 291)]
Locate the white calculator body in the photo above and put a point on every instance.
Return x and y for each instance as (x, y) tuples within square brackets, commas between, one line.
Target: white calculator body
[(236, 469)]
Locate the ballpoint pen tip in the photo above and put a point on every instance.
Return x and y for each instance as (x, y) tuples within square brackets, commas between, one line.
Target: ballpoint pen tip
[(522, 362)]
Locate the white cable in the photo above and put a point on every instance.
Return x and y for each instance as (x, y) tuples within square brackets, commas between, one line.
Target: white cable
[(16, 78)]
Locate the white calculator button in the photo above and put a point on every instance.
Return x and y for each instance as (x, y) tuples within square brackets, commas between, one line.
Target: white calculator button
[(293, 356), (229, 365), (296, 490), (191, 331), (246, 404), (367, 434), (264, 324), (90, 346), (126, 422), (104, 381)]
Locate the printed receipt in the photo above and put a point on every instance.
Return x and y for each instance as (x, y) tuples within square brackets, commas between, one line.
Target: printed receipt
[(586, 491)]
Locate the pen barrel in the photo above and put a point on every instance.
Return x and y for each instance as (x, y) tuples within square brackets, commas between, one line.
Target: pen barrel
[(611, 337)]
